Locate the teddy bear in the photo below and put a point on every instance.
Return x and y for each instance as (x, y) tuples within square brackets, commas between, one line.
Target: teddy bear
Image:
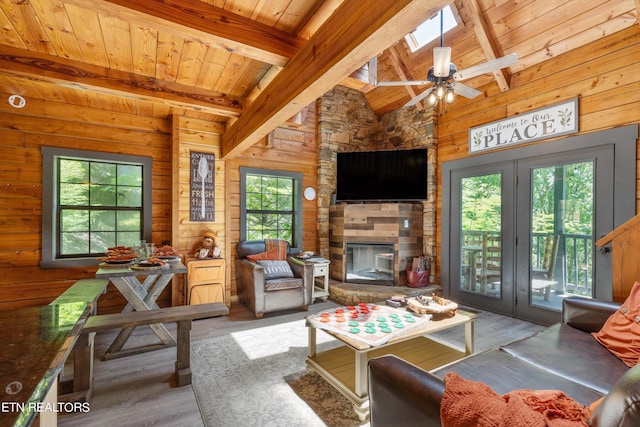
[(208, 248)]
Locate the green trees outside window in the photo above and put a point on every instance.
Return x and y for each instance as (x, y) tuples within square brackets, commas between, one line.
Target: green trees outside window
[(99, 206), (269, 207)]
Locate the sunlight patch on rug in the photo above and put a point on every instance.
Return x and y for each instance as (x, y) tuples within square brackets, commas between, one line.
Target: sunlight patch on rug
[(259, 342), (258, 378)]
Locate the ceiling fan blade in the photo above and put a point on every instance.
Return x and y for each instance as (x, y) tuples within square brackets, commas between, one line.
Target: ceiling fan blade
[(486, 67), (464, 90), (405, 83), (418, 98), (441, 61)]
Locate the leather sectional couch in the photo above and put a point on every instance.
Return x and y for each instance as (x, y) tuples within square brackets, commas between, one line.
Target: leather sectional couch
[(562, 357)]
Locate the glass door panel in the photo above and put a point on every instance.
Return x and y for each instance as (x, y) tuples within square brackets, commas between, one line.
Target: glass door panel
[(481, 240), (562, 214), (481, 225), (563, 201)]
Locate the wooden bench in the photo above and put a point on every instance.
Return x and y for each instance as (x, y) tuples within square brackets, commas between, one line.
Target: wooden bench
[(87, 291), (83, 290), (182, 315)]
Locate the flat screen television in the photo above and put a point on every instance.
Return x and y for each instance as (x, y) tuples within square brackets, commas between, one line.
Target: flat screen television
[(395, 175)]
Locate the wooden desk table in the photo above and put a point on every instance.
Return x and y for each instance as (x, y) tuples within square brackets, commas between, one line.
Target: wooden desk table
[(141, 287)]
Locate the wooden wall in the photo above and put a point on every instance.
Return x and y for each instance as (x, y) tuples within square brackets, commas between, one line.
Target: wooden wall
[(604, 75), (292, 148), (190, 134), (46, 122), (115, 125)]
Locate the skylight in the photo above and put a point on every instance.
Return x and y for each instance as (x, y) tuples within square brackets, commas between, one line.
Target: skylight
[(430, 29)]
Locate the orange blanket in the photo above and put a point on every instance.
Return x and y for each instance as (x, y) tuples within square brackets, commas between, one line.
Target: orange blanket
[(277, 244), (469, 403)]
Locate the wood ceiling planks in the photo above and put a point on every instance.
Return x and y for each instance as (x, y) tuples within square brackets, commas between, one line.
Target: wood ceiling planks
[(351, 36), (216, 51)]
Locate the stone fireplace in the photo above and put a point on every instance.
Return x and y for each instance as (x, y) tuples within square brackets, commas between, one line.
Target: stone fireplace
[(373, 243), (346, 122)]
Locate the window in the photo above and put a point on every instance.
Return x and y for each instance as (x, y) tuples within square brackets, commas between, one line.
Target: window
[(270, 205), (430, 29), (92, 201)]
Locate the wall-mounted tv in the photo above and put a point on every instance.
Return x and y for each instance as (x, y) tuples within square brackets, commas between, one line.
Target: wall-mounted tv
[(394, 175)]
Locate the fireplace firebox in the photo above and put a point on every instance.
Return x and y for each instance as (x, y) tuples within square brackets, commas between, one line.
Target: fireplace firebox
[(370, 263)]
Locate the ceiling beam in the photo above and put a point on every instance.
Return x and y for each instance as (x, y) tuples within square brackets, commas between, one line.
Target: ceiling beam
[(210, 25), (486, 41), (69, 73), (402, 72), (324, 11), (355, 33)]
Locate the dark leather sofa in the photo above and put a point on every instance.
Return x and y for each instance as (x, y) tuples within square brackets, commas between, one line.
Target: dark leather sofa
[(563, 357)]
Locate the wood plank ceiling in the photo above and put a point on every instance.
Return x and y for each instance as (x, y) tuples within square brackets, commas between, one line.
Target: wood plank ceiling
[(254, 63)]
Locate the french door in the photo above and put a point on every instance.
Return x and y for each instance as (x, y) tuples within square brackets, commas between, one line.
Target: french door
[(521, 227)]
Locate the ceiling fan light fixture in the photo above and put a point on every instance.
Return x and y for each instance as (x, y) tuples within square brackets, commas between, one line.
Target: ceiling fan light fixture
[(440, 91), (450, 97), (432, 98), (441, 61)]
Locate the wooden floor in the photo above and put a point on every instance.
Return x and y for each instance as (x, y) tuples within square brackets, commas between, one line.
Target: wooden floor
[(140, 390)]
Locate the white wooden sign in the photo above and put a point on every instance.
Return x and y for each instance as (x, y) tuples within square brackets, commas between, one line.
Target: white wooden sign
[(547, 122)]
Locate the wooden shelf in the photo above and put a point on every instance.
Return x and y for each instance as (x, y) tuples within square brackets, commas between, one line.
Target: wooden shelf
[(339, 363)]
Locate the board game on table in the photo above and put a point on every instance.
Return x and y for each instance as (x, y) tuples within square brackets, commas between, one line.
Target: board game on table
[(345, 366), (372, 324)]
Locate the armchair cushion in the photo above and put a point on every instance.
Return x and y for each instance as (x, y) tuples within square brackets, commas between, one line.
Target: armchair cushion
[(283, 283), (276, 269)]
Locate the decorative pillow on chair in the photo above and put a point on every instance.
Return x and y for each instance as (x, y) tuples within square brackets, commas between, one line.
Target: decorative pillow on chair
[(621, 332), (474, 404), (276, 269), (272, 255)]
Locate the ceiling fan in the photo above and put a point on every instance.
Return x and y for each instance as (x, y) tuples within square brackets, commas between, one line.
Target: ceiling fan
[(446, 78)]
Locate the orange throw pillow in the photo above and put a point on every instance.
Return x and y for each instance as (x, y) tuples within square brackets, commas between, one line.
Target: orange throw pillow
[(474, 404), (620, 334), (268, 255)]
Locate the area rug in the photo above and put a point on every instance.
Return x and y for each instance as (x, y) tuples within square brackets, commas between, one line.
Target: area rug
[(258, 378)]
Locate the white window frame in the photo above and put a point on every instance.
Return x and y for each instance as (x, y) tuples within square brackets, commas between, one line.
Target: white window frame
[(429, 30)]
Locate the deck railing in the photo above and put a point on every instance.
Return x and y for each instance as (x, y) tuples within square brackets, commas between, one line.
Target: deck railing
[(574, 262)]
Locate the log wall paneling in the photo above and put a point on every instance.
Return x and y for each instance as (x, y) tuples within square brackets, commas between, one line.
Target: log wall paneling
[(54, 123), (203, 136), (288, 148)]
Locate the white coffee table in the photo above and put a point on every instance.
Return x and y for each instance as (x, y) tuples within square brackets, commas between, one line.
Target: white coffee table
[(345, 367)]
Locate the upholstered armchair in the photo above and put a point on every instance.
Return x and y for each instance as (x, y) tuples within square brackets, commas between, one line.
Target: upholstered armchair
[(271, 280)]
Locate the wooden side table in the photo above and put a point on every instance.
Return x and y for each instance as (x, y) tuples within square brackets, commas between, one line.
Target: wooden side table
[(321, 269), (205, 281)]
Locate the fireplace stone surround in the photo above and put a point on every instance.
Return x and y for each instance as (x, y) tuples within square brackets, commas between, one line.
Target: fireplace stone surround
[(396, 225)]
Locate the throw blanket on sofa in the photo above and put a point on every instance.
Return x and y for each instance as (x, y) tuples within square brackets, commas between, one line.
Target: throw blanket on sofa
[(469, 403), (279, 245)]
